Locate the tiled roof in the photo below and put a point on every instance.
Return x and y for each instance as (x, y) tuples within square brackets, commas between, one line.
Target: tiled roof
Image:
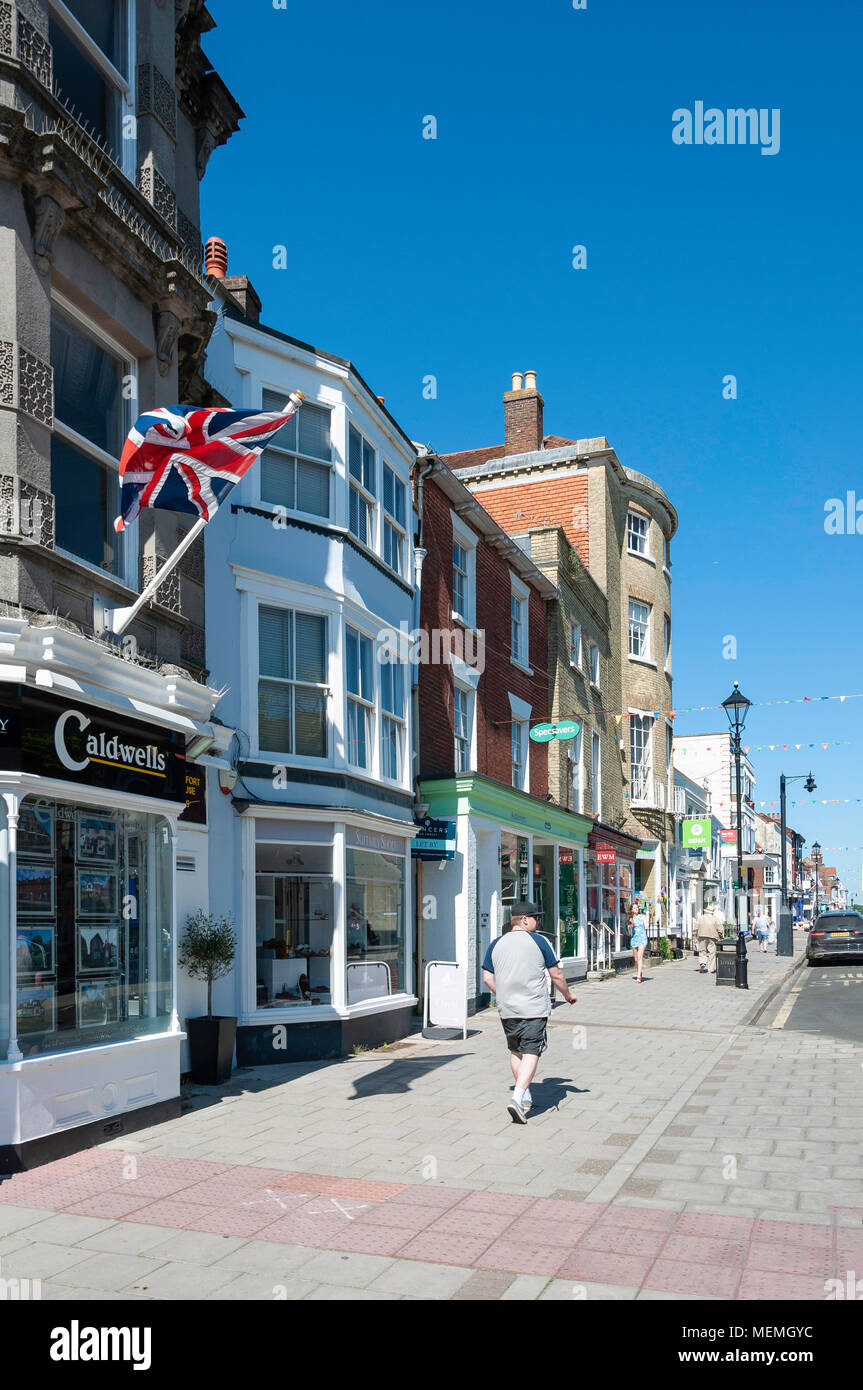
[(472, 458)]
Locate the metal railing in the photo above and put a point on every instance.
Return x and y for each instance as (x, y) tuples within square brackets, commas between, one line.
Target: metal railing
[(599, 948)]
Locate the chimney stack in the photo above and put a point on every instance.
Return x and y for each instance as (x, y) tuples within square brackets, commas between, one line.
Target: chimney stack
[(522, 414), (241, 287)]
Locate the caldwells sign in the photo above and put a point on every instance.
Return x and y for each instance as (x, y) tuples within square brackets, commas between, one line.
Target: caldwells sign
[(67, 739)]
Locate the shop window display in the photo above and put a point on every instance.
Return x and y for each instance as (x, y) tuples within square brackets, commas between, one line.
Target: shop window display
[(374, 899), (294, 924), (514, 873), (93, 948)]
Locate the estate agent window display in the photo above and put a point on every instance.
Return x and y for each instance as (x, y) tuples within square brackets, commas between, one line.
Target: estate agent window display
[(93, 938)]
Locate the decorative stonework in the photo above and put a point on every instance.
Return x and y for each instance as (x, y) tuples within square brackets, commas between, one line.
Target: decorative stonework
[(34, 51), (190, 237), (26, 512), (158, 191), (35, 387), (6, 29), (7, 374), (49, 218), (193, 646), (26, 383), (205, 143), (168, 593), (156, 97), (167, 333)]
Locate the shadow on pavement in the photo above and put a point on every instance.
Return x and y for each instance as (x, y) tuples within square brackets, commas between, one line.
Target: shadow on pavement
[(551, 1090), (396, 1077)]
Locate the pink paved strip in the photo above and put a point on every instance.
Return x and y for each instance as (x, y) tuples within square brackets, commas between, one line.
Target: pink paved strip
[(705, 1254)]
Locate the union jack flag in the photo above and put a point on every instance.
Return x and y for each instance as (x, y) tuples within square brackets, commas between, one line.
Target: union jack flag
[(186, 458)]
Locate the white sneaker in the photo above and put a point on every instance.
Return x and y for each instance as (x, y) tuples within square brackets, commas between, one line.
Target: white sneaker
[(526, 1102)]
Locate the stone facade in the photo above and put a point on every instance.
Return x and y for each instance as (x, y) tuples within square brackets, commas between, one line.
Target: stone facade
[(90, 234)]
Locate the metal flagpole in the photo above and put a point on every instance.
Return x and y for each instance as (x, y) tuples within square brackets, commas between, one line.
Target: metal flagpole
[(122, 617)]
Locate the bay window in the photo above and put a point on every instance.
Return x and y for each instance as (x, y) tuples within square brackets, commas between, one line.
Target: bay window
[(296, 465), (639, 629), (361, 470), (395, 534), (392, 719), (360, 693), (640, 729), (637, 528), (292, 683)]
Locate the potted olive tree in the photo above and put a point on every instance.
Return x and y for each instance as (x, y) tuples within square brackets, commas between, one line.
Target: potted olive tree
[(207, 952)]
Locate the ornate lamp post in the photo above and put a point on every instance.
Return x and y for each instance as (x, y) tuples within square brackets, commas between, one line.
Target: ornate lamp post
[(785, 935), (816, 850), (737, 708)]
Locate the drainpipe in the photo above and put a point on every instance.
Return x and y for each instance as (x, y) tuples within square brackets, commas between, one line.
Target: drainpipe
[(425, 465)]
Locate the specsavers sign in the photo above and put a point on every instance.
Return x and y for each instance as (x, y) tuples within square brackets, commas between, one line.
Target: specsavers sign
[(696, 834), (67, 739)]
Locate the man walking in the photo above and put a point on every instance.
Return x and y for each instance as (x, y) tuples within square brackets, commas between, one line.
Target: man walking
[(709, 928), (514, 970)]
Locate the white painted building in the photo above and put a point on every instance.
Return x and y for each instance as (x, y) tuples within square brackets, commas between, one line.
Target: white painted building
[(307, 577)]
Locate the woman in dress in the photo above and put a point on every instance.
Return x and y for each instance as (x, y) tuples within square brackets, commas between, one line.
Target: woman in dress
[(636, 923)]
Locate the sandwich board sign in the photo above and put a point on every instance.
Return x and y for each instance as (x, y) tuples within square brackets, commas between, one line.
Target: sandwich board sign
[(445, 1004)]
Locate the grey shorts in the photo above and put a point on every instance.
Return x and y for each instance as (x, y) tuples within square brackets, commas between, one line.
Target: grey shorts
[(526, 1035)]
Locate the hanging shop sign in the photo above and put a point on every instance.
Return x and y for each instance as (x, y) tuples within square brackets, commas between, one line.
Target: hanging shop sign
[(562, 729), (728, 837), (435, 839), (196, 796), (696, 833), (71, 741)]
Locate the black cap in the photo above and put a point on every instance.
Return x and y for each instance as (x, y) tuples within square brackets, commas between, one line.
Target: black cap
[(525, 909)]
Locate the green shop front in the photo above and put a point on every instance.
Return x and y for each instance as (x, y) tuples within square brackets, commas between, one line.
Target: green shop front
[(508, 846)]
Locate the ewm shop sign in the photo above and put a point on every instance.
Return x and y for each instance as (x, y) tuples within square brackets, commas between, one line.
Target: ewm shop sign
[(67, 739)]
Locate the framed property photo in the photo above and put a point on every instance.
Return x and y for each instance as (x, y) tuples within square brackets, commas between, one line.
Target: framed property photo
[(97, 839), (35, 1009), (98, 948), (99, 1002), (36, 829), (34, 950), (35, 890), (97, 893)]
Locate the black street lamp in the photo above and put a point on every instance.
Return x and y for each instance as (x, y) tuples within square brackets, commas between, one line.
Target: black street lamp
[(737, 708), (785, 935), (816, 850)]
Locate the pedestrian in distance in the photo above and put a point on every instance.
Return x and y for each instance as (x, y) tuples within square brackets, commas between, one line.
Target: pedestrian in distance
[(636, 925), (762, 929), (514, 969), (709, 928)]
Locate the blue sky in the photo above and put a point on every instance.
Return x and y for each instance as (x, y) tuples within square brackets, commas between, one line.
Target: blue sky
[(452, 257)]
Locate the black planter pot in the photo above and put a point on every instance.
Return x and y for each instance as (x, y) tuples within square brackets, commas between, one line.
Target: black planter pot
[(211, 1045)]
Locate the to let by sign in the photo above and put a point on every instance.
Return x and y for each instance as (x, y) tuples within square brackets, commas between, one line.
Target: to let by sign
[(435, 839), (728, 837)]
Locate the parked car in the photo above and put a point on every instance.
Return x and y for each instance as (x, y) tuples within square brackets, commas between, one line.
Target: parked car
[(835, 933)]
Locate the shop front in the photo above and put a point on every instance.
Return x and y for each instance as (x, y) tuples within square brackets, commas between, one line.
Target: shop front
[(610, 890), (89, 1031), (509, 846), (325, 952)]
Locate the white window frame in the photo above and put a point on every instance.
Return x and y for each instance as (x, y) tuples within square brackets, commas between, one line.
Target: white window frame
[(636, 624), (128, 538), (279, 507), (399, 721), (463, 695), (366, 704), (595, 680), (520, 711), (296, 604), (128, 158), (391, 521), (666, 639), (633, 521), (643, 724), (367, 498), (577, 760), (464, 537), (519, 614), (575, 641), (596, 774)]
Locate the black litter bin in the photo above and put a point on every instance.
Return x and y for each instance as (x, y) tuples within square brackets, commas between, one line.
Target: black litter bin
[(726, 968)]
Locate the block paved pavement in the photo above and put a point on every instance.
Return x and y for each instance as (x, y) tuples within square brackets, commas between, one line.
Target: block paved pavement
[(675, 1150)]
